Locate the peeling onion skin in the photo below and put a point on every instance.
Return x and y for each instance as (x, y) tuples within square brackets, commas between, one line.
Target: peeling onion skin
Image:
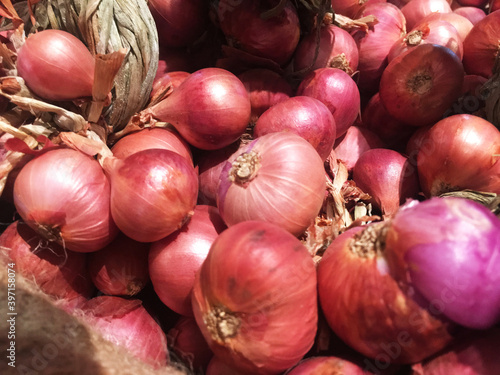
[(64, 195), (255, 298), (366, 306)]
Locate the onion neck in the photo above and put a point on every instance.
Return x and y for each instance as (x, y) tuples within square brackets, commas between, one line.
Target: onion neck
[(51, 232), (245, 168), (340, 62), (222, 323), (370, 242), (414, 38)]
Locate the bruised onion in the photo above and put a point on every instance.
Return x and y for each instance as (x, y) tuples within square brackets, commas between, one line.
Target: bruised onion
[(60, 273), (56, 65), (210, 109), (125, 322), (443, 165), (415, 10), (120, 268), (255, 298), (388, 177), (304, 116), (338, 91), (418, 86), (64, 195), (450, 249), (160, 185), (278, 178), (325, 365), (175, 259)]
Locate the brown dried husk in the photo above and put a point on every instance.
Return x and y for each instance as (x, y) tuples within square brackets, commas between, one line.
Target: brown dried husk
[(49, 341), (107, 26)]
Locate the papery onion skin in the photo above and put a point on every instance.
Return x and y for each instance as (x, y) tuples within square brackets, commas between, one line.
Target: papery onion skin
[(325, 365), (443, 165), (160, 185), (261, 281), (388, 177), (175, 259), (415, 10), (120, 268), (367, 308), (286, 184), (481, 46), (274, 38), (125, 322), (473, 14), (60, 273), (418, 86), (210, 109), (56, 65), (147, 138), (451, 250), (64, 195), (165, 81), (304, 116), (338, 91)]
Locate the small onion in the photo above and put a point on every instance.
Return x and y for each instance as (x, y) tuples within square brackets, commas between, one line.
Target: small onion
[(450, 248), (255, 298), (278, 178), (218, 367), (443, 165), (120, 268), (338, 91), (415, 10), (210, 109), (56, 65), (325, 365), (461, 23), (175, 259), (304, 116), (473, 14), (494, 5), (165, 81), (64, 195), (160, 185)]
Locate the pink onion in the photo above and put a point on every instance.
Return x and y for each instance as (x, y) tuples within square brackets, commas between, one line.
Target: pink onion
[(473, 3), (450, 248), (160, 185), (278, 178), (210, 109), (175, 259), (164, 82), (56, 65), (349, 8), (473, 14), (125, 322), (325, 365), (64, 195), (338, 91), (255, 300), (304, 116), (120, 268), (60, 273), (265, 88), (461, 23), (415, 10)]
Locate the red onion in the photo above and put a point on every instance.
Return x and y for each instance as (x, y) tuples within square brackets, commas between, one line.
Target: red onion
[(265, 88), (337, 49), (366, 306), (255, 298), (471, 100), (56, 65), (438, 32), (325, 365), (165, 82), (187, 342), (160, 185), (338, 91), (354, 143), (461, 23), (443, 165), (210, 164), (375, 44), (473, 3), (475, 354), (418, 86), (278, 178), (481, 46), (218, 367), (60, 273), (179, 22), (349, 8), (147, 138), (126, 322), (304, 116), (450, 248), (494, 5), (210, 109), (175, 259), (64, 195), (415, 10), (473, 14), (121, 268), (274, 38)]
